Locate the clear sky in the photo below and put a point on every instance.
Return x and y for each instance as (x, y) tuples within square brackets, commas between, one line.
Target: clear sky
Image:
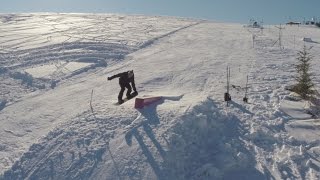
[(268, 11)]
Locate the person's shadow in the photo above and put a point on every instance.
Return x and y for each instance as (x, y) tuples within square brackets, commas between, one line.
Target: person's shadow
[(151, 118), (149, 113)]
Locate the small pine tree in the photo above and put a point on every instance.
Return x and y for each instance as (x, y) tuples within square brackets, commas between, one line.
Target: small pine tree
[(304, 85)]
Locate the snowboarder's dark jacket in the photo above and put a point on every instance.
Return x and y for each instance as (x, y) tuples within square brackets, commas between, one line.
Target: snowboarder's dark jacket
[(124, 79)]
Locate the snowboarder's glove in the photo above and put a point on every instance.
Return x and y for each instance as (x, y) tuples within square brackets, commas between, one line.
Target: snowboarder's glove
[(109, 78)]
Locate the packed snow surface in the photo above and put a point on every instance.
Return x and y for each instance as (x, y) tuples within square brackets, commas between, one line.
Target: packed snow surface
[(58, 118)]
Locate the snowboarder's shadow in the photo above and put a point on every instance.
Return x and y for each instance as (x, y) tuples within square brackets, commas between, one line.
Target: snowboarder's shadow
[(151, 116), (146, 148), (150, 113), (151, 119)]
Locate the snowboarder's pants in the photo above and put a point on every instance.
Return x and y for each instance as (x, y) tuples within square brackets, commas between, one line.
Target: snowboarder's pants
[(123, 87)]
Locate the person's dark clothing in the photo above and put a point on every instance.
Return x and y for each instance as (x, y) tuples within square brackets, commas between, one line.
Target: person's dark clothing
[(124, 82)]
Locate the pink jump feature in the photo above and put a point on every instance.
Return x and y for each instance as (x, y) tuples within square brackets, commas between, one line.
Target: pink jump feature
[(141, 102)]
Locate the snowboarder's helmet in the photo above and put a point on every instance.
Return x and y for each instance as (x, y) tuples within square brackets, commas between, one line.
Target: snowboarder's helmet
[(130, 73)]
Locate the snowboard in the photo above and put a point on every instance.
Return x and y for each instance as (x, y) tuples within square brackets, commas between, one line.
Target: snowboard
[(132, 95)]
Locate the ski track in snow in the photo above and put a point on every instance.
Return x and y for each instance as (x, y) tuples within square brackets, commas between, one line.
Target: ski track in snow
[(189, 134), (113, 37)]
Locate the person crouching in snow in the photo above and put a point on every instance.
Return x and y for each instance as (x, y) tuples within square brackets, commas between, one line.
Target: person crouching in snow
[(125, 78)]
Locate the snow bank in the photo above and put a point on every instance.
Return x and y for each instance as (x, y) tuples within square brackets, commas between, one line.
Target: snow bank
[(206, 144), (295, 109)]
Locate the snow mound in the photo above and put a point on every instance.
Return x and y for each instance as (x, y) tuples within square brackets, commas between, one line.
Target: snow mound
[(205, 144), (295, 109)]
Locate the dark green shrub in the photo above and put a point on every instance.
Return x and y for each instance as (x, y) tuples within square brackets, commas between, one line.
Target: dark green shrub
[(304, 83)]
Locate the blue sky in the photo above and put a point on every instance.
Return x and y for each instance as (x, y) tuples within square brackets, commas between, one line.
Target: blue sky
[(270, 11)]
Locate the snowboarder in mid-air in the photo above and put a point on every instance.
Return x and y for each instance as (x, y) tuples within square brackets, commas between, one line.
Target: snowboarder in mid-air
[(125, 78)]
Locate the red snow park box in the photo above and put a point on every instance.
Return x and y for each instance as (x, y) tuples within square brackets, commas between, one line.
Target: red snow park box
[(141, 102)]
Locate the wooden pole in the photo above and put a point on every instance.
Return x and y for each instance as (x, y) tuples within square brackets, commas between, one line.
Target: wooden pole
[(227, 96), (91, 101), (227, 86), (245, 99)]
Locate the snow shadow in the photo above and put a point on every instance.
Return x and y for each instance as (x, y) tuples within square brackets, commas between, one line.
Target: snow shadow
[(3, 103), (309, 40), (150, 113), (149, 116), (207, 144), (143, 132), (240, 107), (147, 152)]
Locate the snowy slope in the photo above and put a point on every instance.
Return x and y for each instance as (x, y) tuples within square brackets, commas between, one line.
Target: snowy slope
[(52, 133)]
